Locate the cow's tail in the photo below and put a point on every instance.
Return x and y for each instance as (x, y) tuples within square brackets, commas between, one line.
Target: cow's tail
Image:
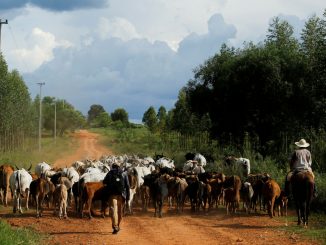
[(18, 181)]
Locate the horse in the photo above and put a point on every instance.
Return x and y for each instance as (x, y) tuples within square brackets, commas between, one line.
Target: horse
[(302, 183)]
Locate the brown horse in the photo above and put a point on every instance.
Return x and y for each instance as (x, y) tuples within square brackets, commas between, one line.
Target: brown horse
[(302, 183)]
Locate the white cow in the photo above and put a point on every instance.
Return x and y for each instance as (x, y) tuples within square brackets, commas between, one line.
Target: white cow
[(244, 163), (20, 181), (165, 162), (92, 177), (194, 167), (44, 169), (71, 174)]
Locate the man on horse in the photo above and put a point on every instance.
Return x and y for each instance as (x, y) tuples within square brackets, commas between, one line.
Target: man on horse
[(300, 161)]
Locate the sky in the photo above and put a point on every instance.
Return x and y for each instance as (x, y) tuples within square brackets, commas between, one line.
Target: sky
[(130, 54)]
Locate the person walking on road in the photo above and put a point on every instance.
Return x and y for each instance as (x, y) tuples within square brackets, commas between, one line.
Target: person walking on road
[(118, 190)]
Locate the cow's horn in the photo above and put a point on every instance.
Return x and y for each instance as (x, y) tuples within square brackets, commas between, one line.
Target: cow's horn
[(30, 167)]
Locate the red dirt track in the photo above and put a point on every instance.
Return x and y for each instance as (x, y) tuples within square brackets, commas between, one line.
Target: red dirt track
[(214, 227)]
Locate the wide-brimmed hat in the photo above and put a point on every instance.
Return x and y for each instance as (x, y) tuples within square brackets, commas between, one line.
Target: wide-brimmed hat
[(302, 143)]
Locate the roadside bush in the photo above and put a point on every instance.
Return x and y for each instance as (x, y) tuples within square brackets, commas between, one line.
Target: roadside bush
[(319, 203)]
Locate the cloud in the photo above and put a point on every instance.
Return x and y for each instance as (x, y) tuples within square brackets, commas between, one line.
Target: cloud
[(199, 47), (116, 27), (54, 5), (121, 70), (40, 49)]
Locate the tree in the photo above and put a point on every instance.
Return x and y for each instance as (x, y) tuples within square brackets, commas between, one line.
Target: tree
[(94, 112), (67, 118), (120, 114), (16, 119), (103, 120), (150, 119), (162, 118)]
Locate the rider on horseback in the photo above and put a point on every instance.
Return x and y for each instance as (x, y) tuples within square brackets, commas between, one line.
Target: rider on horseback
[(300, 161)]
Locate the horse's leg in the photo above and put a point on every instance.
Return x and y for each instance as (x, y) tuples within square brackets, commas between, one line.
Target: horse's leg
[(297, 205)]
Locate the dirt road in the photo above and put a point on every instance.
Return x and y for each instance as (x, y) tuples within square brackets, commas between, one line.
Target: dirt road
[(142, 228)]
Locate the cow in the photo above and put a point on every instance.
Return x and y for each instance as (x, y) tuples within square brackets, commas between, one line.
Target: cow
[(195, 192), (44, 169), (85, 178), (257, 182), (165, 162), (5, 172), (193, 167), (60, 198), (145, 197), (92, 191), (231, 199), (231, 193), (199, 158), (243, 163), (133, 182), (20, 182), (159, 191), (246, 194), (176, 190), (281, 203), (216, 183), (271, 191), (39, 190)]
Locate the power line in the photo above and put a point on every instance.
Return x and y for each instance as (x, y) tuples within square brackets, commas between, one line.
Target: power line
[(2, 22)]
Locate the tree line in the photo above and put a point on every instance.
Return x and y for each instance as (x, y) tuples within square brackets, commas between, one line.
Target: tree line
[(266, 90), (19, 113)]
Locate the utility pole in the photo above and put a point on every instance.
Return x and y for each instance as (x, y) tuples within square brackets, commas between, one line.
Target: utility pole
[(55, 121), (40, 119), (2, 22)]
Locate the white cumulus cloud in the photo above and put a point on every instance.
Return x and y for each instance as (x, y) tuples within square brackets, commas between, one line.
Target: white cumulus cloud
[(116, 27), (40, 46)]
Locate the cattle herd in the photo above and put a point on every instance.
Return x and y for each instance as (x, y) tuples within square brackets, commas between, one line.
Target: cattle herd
[(152, 182)]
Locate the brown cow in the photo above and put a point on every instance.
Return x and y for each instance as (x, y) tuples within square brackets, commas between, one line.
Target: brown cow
[(216, 184), (232, 192), (257, 182), (39, 189), (92, 191), (271, 191), (60, 198), (5, 173), (281, 203), (231, 199), (145, 197)]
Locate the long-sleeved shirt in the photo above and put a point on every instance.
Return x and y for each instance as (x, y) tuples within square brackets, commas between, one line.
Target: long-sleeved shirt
[(301, 159)]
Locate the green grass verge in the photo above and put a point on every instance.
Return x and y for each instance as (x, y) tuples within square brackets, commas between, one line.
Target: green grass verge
[(50, 151), (10, 235), (316, 229)]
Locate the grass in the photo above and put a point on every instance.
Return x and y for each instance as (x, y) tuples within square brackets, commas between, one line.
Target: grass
[(10, 235), (128, 140), (316, 229), (50, 151)]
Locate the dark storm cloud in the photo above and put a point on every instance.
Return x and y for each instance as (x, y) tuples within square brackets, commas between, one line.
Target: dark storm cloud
[(54, 5)]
